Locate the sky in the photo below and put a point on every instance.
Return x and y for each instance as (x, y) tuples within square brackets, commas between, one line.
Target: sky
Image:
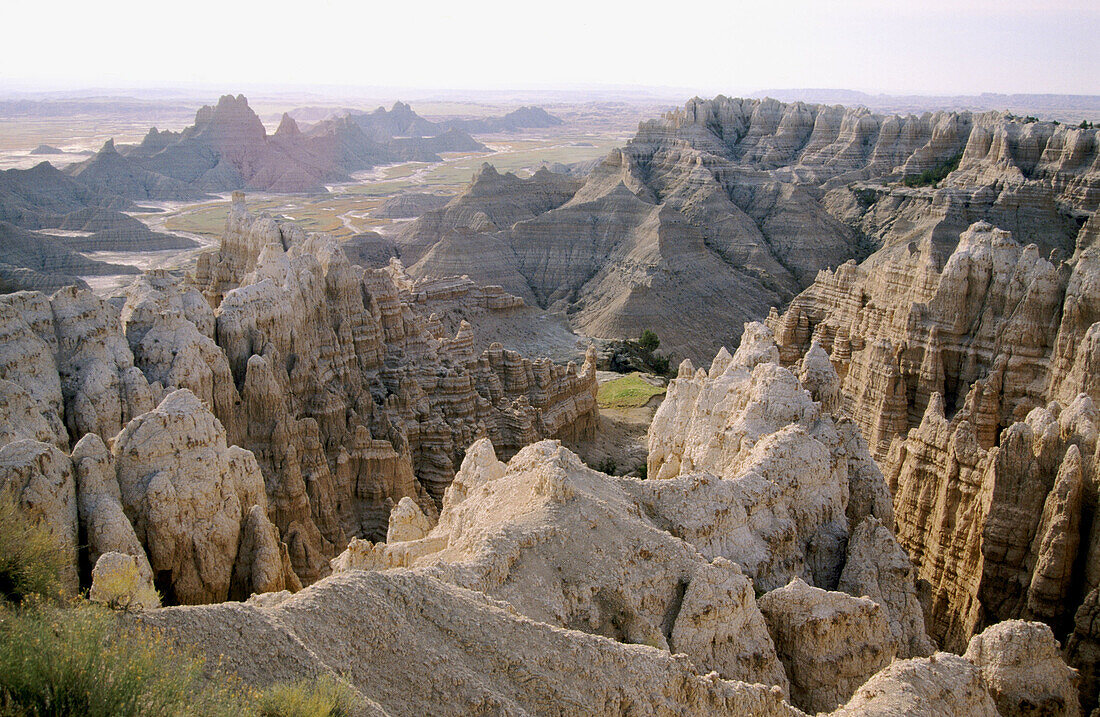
[(879, 46)]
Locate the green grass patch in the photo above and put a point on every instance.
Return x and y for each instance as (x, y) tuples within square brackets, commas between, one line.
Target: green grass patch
[(82, 659), (630, 391)]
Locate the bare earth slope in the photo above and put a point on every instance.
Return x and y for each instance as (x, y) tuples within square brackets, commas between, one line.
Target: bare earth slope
[(726, 207)]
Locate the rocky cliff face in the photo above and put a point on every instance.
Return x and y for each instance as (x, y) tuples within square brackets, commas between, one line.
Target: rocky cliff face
[(300, 399), (659, 588), (968, 368), (744, 201)]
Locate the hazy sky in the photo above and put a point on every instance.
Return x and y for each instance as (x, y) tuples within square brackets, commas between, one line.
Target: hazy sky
[(917, 46)]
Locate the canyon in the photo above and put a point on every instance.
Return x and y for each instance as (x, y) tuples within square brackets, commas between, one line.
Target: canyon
[(880, 502)]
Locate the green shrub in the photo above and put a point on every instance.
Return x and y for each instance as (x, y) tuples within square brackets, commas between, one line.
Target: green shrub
[(30, 558), (642, 470), (323, 697), (607, 465), (934, 175), (649, 341), (660, 365), (84, 661)]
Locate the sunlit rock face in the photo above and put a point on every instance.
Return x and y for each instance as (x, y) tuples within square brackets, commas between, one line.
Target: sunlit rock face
[(968, 368), (321, 375)]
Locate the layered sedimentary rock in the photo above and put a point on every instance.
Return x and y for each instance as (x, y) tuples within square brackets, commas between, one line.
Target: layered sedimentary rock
[(36, 261), (534, 563), (35, 202), (497, 661), (319, 384), (1022, 667), (410, 205), (674, 562), (750, 199), (228, 148), (349, 394), (506, 529), (966, 360), (830, 642), (910, 322), (795, 493)]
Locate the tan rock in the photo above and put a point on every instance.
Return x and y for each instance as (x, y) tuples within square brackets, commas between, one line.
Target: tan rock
[(1022, 666), (570, 546), (40, 477), (829, 643), (497, 660), (941, 685), (878, 568), (181, 486), (407, 522), (99, 499), (118, 583)]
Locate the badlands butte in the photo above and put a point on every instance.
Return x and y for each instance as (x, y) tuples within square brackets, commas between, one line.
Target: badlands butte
[(870, 489)]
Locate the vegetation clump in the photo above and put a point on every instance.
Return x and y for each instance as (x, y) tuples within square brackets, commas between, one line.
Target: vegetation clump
[(637, 355), (932, 177), (73, 657), (323, 697), (630, 391), (30, 558), (608, 466), (80, 660)]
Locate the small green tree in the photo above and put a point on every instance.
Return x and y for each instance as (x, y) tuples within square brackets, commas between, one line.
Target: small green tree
[(649, 341), (1084, 124)]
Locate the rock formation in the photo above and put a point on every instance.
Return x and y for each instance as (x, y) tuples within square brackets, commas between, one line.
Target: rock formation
[(410, 205), (35, 202), (744, 201), (36, 261), (301, 398), (830, 642), (228, 148), (965, 356), (522, 118), (533, 564)]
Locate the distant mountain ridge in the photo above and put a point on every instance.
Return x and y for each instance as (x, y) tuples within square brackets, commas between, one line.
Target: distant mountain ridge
[(523, 118), (228, 148), (44, 198), (1045, 106)]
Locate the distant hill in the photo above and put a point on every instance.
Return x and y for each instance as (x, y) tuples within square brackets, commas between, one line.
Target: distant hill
[(523, 118), (44, 198), (33, 261), (228, 148)]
